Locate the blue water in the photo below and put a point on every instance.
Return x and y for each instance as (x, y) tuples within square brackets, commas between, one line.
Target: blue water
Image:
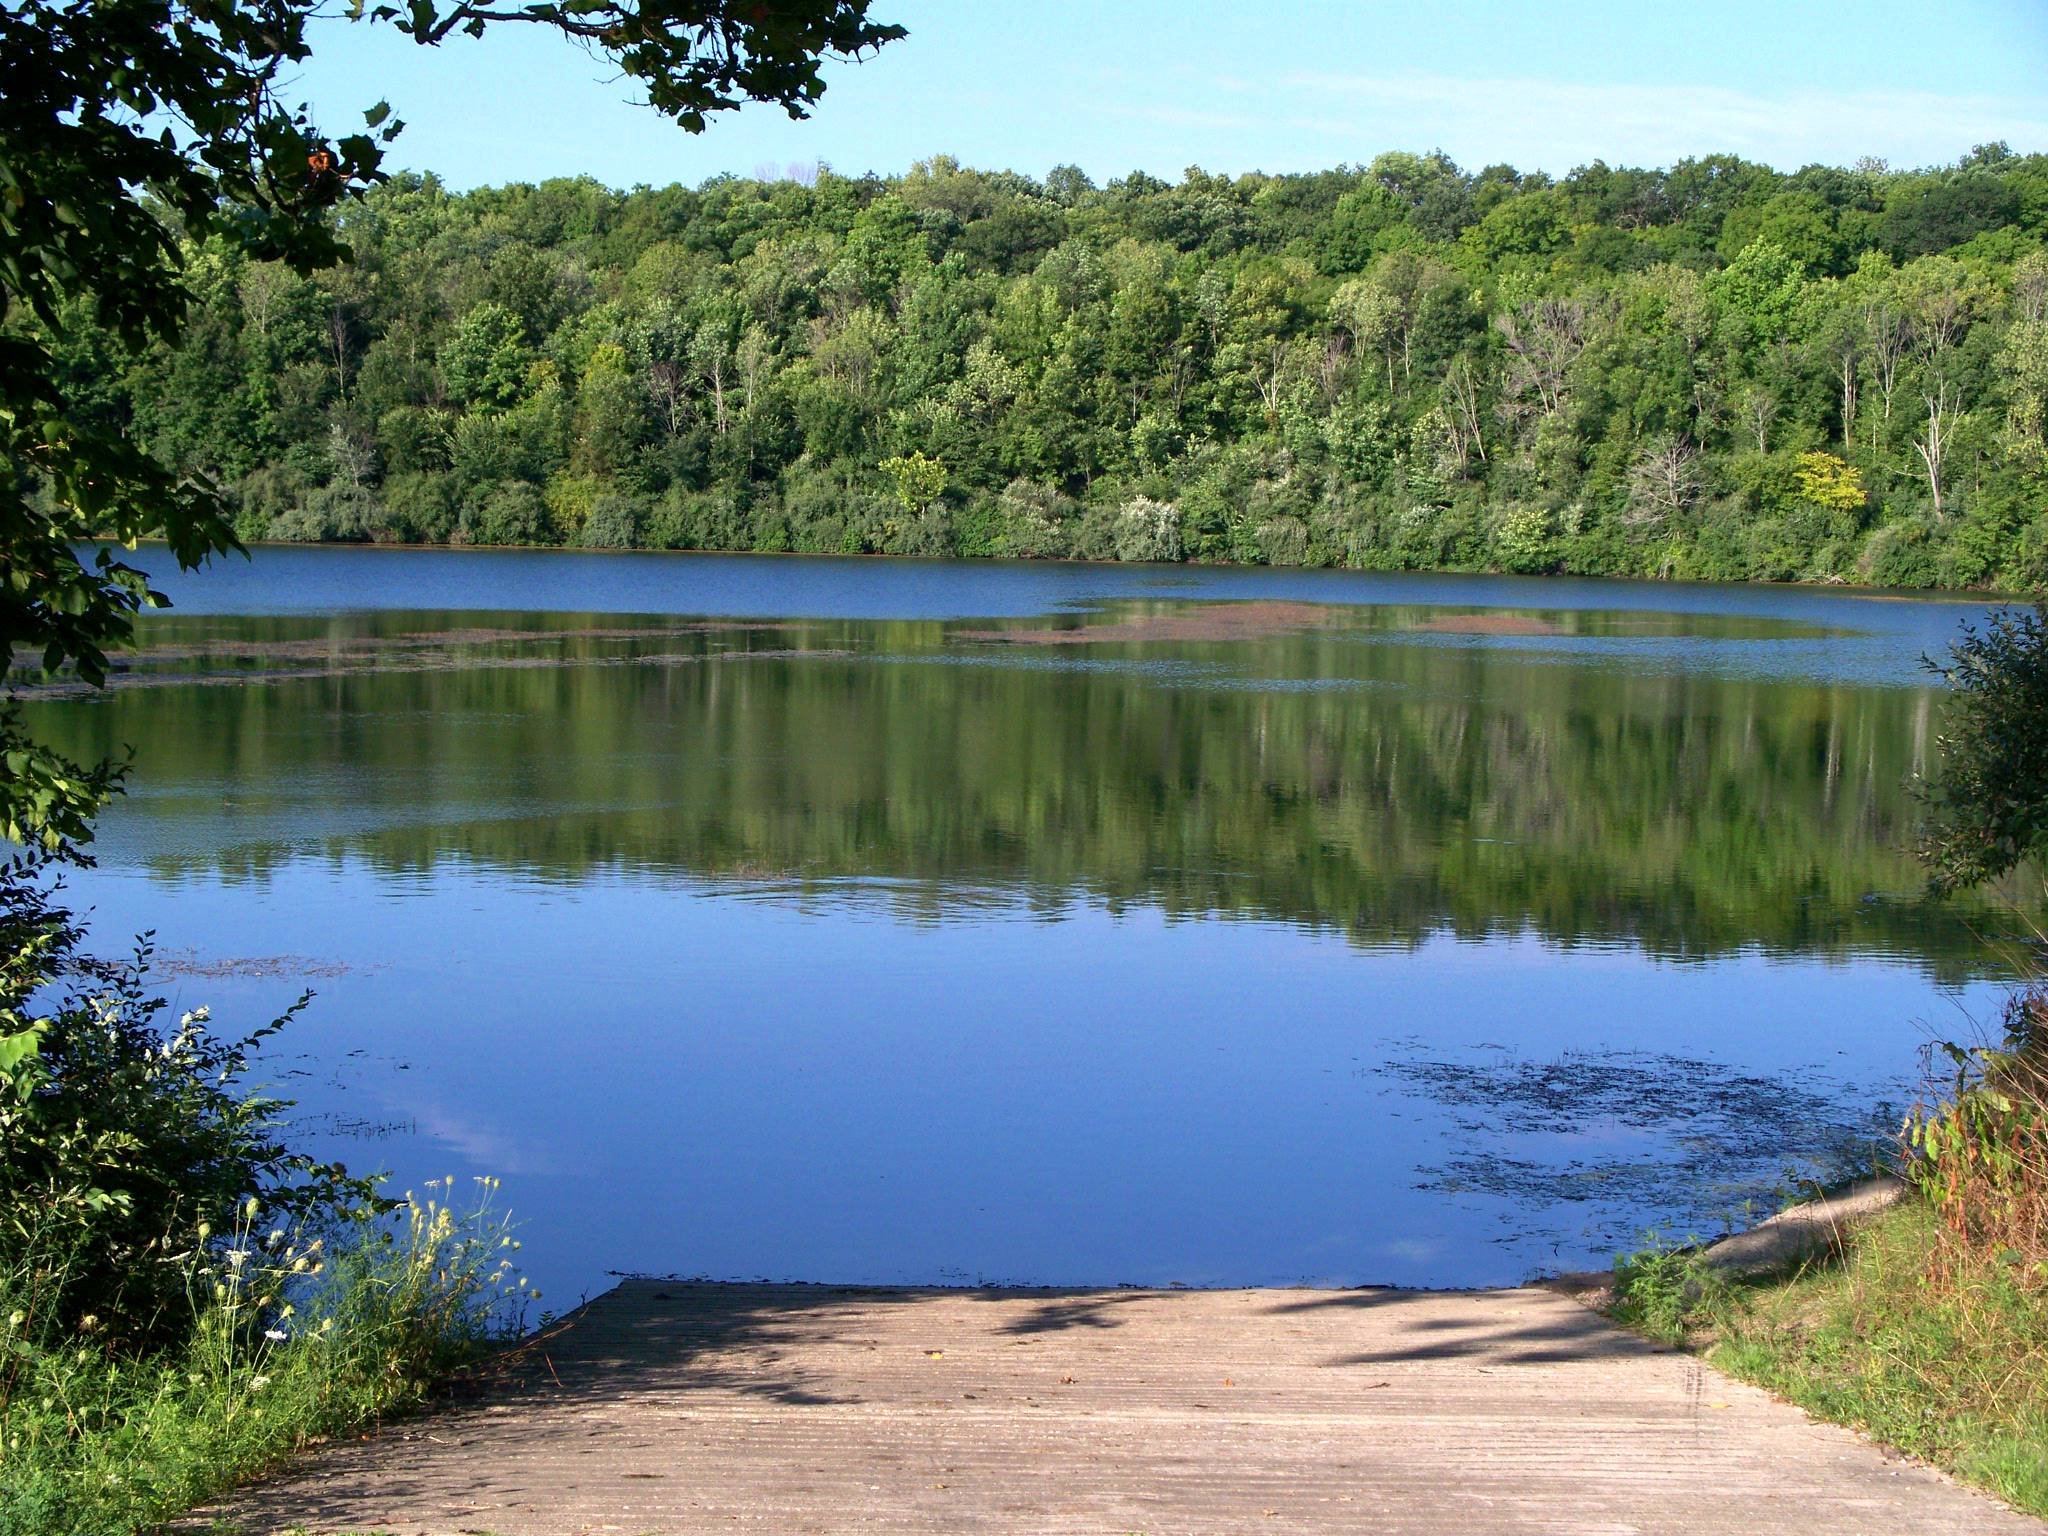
[(902, 959)]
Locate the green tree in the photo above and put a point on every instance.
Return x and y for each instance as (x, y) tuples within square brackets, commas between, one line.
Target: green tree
[(918, 481), (485, 357), (1828, 483)]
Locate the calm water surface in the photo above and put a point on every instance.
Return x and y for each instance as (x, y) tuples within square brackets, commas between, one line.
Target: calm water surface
[(820, 919)]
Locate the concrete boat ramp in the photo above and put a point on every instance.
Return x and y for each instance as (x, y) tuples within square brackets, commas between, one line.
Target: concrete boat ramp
[(668, 1408)]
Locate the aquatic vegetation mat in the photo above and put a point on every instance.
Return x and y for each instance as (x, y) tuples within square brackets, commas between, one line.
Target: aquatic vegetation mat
[(1620, 1132)]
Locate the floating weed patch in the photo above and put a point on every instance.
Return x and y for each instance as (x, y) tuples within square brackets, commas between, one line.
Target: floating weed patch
[(1622, 1133)]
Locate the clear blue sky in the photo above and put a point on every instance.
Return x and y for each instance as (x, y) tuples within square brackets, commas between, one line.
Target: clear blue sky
[(1280, 86)]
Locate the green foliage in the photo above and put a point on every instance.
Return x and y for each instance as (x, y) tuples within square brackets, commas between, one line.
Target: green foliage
[(1980, 1157), (183, 1298), (510, 512), (613, 522), (1829, 484), (283, 1336), (1987, 804), (1948, 1362), (1667, 1291), (1525, 539), (917, 480), (1147, 530), (153, 173), (1711, 372)]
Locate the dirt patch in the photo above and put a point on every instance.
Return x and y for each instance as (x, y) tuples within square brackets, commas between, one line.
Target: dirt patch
[(1208, 621), (1488, 624)]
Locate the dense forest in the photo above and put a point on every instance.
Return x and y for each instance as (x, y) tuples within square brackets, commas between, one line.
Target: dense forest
[(1713, 371)]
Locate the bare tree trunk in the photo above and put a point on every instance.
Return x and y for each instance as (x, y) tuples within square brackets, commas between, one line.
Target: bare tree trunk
[(665, 383), (1330, 370), (1462, 392), (1889, 340), (1759, 410), (1268, 380), (337, 331), (1941, 423)]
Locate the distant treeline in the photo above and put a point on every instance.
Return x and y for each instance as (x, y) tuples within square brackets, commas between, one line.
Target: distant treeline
[(1714, 371)]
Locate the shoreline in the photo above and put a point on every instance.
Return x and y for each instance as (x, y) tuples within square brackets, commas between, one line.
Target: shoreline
[(1958, 595)]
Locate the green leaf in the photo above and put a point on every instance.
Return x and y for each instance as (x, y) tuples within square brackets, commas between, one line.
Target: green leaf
[(19, 1048)]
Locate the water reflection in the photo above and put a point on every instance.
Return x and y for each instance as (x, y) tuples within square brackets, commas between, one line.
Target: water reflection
[(1336, 772)]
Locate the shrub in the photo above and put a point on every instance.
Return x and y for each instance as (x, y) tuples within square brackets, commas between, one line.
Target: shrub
[(123, 1136), (1147, 530), (511, 512), (1902, 554), (1034, 521), (288, 1335), (697, 520), (1283, 541), (266, 494), (613, 522), (1665, 1290), (331, 513), (1987, 806), (1524, 539), (420, 508), (922, 533)]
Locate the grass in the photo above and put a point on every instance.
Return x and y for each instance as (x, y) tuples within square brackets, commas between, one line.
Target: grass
[(294, 1340), (1929, 1330)]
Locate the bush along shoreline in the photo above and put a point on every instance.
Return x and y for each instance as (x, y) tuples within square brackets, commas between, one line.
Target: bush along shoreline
[(1928, 1326), (184, 1299), (1709, 371)]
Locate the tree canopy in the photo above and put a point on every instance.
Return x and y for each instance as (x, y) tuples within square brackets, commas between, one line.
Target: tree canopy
[(1712, 371), (141, 136)]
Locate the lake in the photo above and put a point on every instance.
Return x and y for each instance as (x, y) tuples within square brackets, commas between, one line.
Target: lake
[(898, 921)]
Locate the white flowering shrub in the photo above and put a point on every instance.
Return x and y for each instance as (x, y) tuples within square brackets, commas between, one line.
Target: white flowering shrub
[(1148, 530)]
